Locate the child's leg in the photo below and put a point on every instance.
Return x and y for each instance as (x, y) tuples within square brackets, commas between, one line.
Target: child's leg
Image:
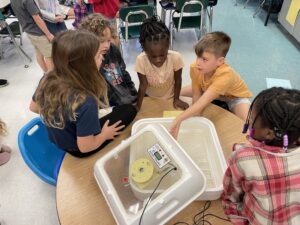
[(241, 110), (49, 63), (186, 91), (40, 60), (126, 113)]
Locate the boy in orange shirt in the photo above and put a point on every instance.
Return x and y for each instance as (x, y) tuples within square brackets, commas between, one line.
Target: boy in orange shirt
[(213, 79)]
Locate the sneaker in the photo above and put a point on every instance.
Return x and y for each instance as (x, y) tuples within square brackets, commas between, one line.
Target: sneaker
[(3, 82)]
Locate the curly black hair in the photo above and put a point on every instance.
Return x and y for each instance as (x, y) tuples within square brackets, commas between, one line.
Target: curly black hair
[(153, 29), (279, 110)]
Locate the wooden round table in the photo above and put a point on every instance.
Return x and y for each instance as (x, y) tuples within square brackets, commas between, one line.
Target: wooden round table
[(79, 199)]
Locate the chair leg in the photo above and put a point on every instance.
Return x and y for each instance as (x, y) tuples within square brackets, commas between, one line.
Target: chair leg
[(19, 49), (21, 35), (163, 15), (246, 3), (210, 17), (259, 8), (1, 50), (171, 35), (269, 12), (121, 48), (170, 16)]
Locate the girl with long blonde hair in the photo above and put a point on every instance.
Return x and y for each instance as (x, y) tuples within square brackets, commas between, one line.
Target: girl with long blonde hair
[(69, 96)]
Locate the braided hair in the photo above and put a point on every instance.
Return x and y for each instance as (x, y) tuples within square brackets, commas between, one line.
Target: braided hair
[(153, 30), (279, 110)]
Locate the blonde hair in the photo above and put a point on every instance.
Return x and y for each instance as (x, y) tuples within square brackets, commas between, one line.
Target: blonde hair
[(95, 23), (217, 43), (74, 77), (3, 130)]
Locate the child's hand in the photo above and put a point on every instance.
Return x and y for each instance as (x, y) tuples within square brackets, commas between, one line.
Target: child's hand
[(59, 19), (180, 104), (50, 37), (174, 129), (111, 131)]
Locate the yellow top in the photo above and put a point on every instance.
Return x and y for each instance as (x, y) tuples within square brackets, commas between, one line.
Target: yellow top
[(225, 81)]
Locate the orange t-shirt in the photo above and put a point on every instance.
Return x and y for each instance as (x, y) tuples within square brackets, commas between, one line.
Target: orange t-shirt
[(225, 81)]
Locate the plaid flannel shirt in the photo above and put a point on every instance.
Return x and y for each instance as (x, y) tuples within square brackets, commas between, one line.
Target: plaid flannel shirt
[(262, 185), (80, 11)]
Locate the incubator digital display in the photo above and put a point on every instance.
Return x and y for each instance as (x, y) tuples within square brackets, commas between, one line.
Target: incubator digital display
[(157, 155)]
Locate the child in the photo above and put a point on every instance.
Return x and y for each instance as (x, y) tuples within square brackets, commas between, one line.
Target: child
[(29, 16), (159, 69), (80, 12), (4, 149), (261, 183), (121, 89), (110, 10), (68, 97), (213, 79), (54, 15)]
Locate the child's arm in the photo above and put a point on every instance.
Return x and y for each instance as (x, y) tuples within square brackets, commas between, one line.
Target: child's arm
[(196, 94), (207, 97), (142, 90), (91, 142), (33, 107), (51, 17), (41, 24), (232, 197), (177, 103)]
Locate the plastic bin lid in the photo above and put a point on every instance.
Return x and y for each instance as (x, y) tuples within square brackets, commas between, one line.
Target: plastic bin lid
[(142, 166), (198, 137)]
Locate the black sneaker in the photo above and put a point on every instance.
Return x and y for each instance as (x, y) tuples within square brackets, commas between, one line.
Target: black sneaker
[(3, 82)]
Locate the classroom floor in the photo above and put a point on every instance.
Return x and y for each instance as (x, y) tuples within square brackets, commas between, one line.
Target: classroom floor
[(257, 53)]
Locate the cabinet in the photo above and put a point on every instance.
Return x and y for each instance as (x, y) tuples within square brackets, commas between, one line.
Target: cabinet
[(293, 30)]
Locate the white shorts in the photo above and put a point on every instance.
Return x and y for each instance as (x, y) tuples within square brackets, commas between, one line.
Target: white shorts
[(233, 102)]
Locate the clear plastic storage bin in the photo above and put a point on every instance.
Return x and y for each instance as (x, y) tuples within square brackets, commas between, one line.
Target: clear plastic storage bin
[(198, 137), (130, 173)]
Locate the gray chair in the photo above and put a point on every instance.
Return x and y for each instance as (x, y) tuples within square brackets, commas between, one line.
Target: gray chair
[(12, 31), (271, 6), (131, 18), (192, 15)]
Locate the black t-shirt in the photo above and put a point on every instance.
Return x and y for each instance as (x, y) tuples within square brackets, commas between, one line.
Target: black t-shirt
[(121, 89)]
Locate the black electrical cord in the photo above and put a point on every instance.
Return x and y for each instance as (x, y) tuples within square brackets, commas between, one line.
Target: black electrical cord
[(199, 218), (174, 168)]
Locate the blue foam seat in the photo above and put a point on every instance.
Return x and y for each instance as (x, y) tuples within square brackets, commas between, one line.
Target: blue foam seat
[(43, 157)]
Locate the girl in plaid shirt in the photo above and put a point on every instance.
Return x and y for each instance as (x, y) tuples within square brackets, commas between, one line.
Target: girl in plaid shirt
[(262, 181), (80, 12)]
